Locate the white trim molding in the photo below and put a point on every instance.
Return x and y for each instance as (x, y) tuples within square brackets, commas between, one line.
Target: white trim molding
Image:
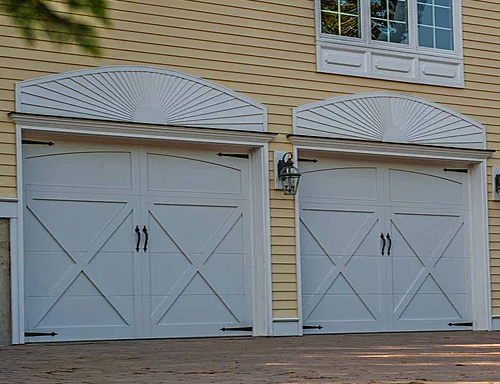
[(76, 126), (363, 57), (388, 117), (142, 95), (287, 327), (8, 208)]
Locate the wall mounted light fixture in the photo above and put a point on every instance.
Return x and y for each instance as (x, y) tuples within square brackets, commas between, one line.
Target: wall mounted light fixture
[(495, 173), (287, 176)]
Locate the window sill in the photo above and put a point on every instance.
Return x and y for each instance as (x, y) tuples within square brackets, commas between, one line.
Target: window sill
[(381, 63)]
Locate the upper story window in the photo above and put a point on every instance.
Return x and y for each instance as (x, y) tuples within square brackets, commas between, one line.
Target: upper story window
[(408, 40)]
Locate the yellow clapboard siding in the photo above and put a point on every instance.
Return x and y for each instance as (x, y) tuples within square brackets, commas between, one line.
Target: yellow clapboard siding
[(283, 240), (284, 287), (8, 181), (284, 296), (285, 304), (283, 259), (8, 191), (284, 277), (285, 313), (266, 50), (284, 268), (7, 160), (283, 231)]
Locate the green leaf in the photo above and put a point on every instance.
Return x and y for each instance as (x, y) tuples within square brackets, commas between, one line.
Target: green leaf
[(35, 17)]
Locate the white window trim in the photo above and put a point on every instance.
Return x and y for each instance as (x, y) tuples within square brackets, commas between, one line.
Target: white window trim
[(390, 61)]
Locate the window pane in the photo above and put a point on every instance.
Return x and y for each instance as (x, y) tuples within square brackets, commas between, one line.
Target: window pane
[(349, 26), (398, 33), (426, 36), (349, 6), (397, 10), (389, 20), (444, 3), (443, 18), (425, 15), (329, 5), (379, 31), (330, 23), (435, 24), (379, 9), (340, 17), (444, 39)]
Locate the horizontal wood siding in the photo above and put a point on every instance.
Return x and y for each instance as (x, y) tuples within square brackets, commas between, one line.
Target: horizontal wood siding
[(266, 50)]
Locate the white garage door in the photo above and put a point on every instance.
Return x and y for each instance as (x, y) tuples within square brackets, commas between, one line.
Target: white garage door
[(384, 247), (135, 242)]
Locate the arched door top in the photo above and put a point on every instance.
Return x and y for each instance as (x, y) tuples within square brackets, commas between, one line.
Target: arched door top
[(143, 95), (389, 117)]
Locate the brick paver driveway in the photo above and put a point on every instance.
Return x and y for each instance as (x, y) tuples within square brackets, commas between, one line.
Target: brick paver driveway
[(419, 358)]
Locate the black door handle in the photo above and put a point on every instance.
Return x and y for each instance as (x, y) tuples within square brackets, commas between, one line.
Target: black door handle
[(138, 231), (147, 238), (383, 243), (390, 245)]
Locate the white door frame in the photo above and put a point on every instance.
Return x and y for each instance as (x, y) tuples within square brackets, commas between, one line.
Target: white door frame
[(474, 160), (256, 142)]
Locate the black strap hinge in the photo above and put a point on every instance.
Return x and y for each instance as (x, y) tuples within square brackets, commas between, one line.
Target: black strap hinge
[(237, 155), (39, 334), (468, 324), (237, 329), (456, 170), (319, 327), (308, 160), (49, 143)]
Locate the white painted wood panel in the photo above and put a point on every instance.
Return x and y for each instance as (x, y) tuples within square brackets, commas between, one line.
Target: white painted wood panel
[(417, 278), (85, 279), (142, 95)]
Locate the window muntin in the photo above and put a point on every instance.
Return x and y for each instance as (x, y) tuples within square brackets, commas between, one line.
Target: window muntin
[(340, 17), (389, 21), (435, 24)]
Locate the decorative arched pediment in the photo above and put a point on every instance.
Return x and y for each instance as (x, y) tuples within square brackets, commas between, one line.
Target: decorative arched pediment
[(142, 95), (389, 117)]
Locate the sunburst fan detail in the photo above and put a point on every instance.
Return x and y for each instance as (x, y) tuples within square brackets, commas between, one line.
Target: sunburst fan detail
[(390, 118), (141, 94)]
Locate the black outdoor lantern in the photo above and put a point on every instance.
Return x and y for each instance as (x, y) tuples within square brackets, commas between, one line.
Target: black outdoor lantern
[(288, 175)]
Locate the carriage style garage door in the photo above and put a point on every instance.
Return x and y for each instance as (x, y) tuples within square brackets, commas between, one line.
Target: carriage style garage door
[(135, 242), (384, 246)]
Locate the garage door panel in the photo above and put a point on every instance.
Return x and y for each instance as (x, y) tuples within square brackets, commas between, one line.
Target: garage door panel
[(423, 234), (345, 307), (413, 187), (84, 220), (166, 269), (423, 283), (456, 282), (340, 183), (46, 269), (167, 173), (83, 304), (315, 269), (96, 169), (234, 282), (187, 225), (86, 280), (199, 303), (339, 240), (366, 274)]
